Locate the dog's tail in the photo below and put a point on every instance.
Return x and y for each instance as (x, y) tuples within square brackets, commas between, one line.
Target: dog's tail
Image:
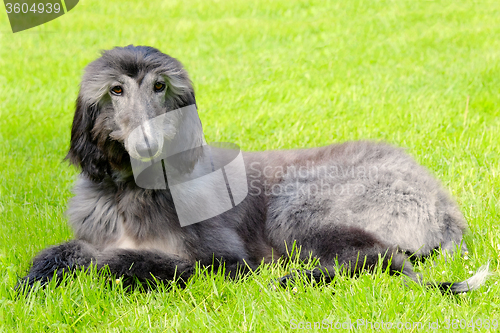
[(474, 282), (400, 264)]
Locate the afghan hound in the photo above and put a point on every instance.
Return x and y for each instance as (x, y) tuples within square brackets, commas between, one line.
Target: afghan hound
[(352, 206)]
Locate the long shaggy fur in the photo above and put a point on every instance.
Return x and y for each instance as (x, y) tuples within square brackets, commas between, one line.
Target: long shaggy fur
[(350, 203)]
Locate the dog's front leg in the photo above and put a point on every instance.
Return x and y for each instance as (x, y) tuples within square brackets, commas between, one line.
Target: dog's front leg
[(55, 260), (232, 267), (145, 267)]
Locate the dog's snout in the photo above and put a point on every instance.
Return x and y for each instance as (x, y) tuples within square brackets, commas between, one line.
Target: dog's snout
[(147, 148)]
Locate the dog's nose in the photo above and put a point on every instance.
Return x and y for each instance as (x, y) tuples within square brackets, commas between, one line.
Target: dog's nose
[(147, 148)]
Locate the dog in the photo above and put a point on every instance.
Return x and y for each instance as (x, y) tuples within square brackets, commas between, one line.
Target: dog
[(351, 205)]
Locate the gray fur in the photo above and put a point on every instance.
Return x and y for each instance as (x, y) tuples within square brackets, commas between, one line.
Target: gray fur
[(340, 202), (375, 187)]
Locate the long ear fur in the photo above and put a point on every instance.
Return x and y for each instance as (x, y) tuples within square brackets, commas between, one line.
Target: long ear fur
[(83, 151), (189, 136)]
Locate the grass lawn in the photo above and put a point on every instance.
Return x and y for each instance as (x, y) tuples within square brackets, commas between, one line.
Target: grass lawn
[(424, 75)]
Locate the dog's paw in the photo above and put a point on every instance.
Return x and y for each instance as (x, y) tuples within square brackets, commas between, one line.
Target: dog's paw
[(285, 281), (289, 280)]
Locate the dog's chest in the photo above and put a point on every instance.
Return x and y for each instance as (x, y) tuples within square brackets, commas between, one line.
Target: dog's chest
[(132, 221)]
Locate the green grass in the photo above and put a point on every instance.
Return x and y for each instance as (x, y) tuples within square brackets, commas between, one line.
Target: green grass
[(267, 75)]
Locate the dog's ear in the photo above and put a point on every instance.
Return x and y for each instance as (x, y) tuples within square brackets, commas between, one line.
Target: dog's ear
[(188, 99), (83, 151), (188, 138)]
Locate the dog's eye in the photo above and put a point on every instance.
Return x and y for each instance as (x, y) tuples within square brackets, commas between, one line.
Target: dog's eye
[(159, 86), (117, 90)]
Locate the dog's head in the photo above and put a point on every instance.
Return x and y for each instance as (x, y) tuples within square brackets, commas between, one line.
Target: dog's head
[(127, 88)]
